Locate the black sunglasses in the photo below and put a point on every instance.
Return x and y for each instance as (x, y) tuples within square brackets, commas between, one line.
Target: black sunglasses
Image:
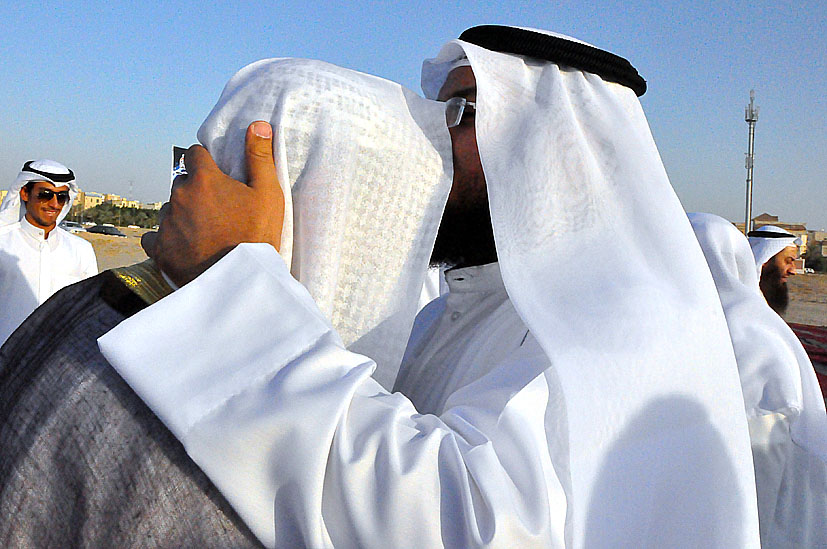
[(47, 194)]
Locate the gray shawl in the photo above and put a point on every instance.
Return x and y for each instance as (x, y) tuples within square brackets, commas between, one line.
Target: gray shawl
[(84, 462)]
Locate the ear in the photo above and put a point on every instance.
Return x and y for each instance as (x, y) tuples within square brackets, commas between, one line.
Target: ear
[(24, 194)]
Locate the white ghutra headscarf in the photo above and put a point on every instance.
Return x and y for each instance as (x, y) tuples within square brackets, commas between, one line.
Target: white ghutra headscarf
[(365, 168), (782, 398), (767, 241), (776, 373), (13, 209), (635, 331)]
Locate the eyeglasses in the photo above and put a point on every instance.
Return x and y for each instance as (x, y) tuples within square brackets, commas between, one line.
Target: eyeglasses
[(47, 194), (455, 108)]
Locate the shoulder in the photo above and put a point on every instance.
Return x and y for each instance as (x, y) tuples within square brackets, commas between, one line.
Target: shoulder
[(74, 240), (8, 229)]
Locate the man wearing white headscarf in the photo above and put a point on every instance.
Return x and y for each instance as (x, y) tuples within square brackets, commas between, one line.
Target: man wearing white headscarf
[(37, 258), (533, 407), (775, 251), (788, 423)]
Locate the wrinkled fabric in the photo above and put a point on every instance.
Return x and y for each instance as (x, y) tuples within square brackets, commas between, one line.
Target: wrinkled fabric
[(321, 455), (84, 462), (788, 423), (570, 165), (606, 427), (365, 167), (33, 267)]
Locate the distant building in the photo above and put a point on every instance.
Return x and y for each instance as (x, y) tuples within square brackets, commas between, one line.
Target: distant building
[(115, 200), (152, 205), (819, 238), (3, 194), (89, 200)]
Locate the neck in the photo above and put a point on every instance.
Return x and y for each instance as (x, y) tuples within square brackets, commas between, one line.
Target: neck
[(46, 229)]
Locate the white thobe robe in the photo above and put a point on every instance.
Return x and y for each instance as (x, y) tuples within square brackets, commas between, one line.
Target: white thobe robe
[(33, 267), (462, 336), (783, 402), (790, 484), (316, 453)]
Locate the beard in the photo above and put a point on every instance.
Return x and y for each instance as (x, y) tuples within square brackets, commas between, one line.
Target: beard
[(775, 292), (465, 236)]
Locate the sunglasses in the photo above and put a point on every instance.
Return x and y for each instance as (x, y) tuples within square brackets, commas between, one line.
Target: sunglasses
[(455, 108), (46, 195)]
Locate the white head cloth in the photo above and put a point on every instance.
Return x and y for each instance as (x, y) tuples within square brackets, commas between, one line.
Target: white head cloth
[(765, 247), (368, 166), (13, 209), (632, 324), (776, 373)]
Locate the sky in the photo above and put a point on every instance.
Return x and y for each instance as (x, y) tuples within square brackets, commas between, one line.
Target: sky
[(108, 88)]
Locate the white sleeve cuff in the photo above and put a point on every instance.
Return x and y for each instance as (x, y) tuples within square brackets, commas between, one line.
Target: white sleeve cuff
[(161, 353)]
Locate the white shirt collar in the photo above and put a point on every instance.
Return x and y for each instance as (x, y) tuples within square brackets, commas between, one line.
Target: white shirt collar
[(37, 233), (480, 278)]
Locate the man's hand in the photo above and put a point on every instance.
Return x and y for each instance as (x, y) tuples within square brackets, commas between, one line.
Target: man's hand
[(209, 213)]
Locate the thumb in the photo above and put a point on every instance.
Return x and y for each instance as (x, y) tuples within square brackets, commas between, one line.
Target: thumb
[(261, 168)]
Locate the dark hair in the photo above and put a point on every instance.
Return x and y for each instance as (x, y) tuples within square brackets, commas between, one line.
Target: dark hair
[(28, 186)]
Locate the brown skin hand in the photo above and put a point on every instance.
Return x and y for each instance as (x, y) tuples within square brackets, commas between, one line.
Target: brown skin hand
[(42, 213), (210, 213)]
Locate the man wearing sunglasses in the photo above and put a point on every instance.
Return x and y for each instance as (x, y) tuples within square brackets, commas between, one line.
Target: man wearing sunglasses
[(36, 257)]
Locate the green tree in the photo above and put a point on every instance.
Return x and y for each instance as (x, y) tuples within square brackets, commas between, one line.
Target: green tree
[(121, 217), (814, 259)]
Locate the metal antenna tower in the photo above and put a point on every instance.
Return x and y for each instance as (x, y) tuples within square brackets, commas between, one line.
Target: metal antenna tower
[(751, 117)]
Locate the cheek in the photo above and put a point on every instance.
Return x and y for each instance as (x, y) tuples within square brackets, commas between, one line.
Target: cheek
[(464, 145)]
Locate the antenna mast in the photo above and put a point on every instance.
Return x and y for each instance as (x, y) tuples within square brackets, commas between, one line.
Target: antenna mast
[(751, 117)]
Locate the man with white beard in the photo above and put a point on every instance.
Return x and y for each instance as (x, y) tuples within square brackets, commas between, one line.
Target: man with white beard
[(534, 408)]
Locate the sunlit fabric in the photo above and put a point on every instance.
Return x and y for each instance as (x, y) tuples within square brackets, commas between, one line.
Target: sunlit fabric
[(365, 166), (785, 410), (575, 409), (33, 267)]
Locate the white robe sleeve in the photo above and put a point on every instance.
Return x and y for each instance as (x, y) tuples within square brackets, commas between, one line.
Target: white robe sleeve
[(790, 481), (308, 448), (89, 262)]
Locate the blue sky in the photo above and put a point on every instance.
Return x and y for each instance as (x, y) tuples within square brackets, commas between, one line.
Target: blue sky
[(108, 88)]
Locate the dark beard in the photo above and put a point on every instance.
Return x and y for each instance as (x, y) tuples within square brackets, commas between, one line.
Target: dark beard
[(775, 292), (465, 237)]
